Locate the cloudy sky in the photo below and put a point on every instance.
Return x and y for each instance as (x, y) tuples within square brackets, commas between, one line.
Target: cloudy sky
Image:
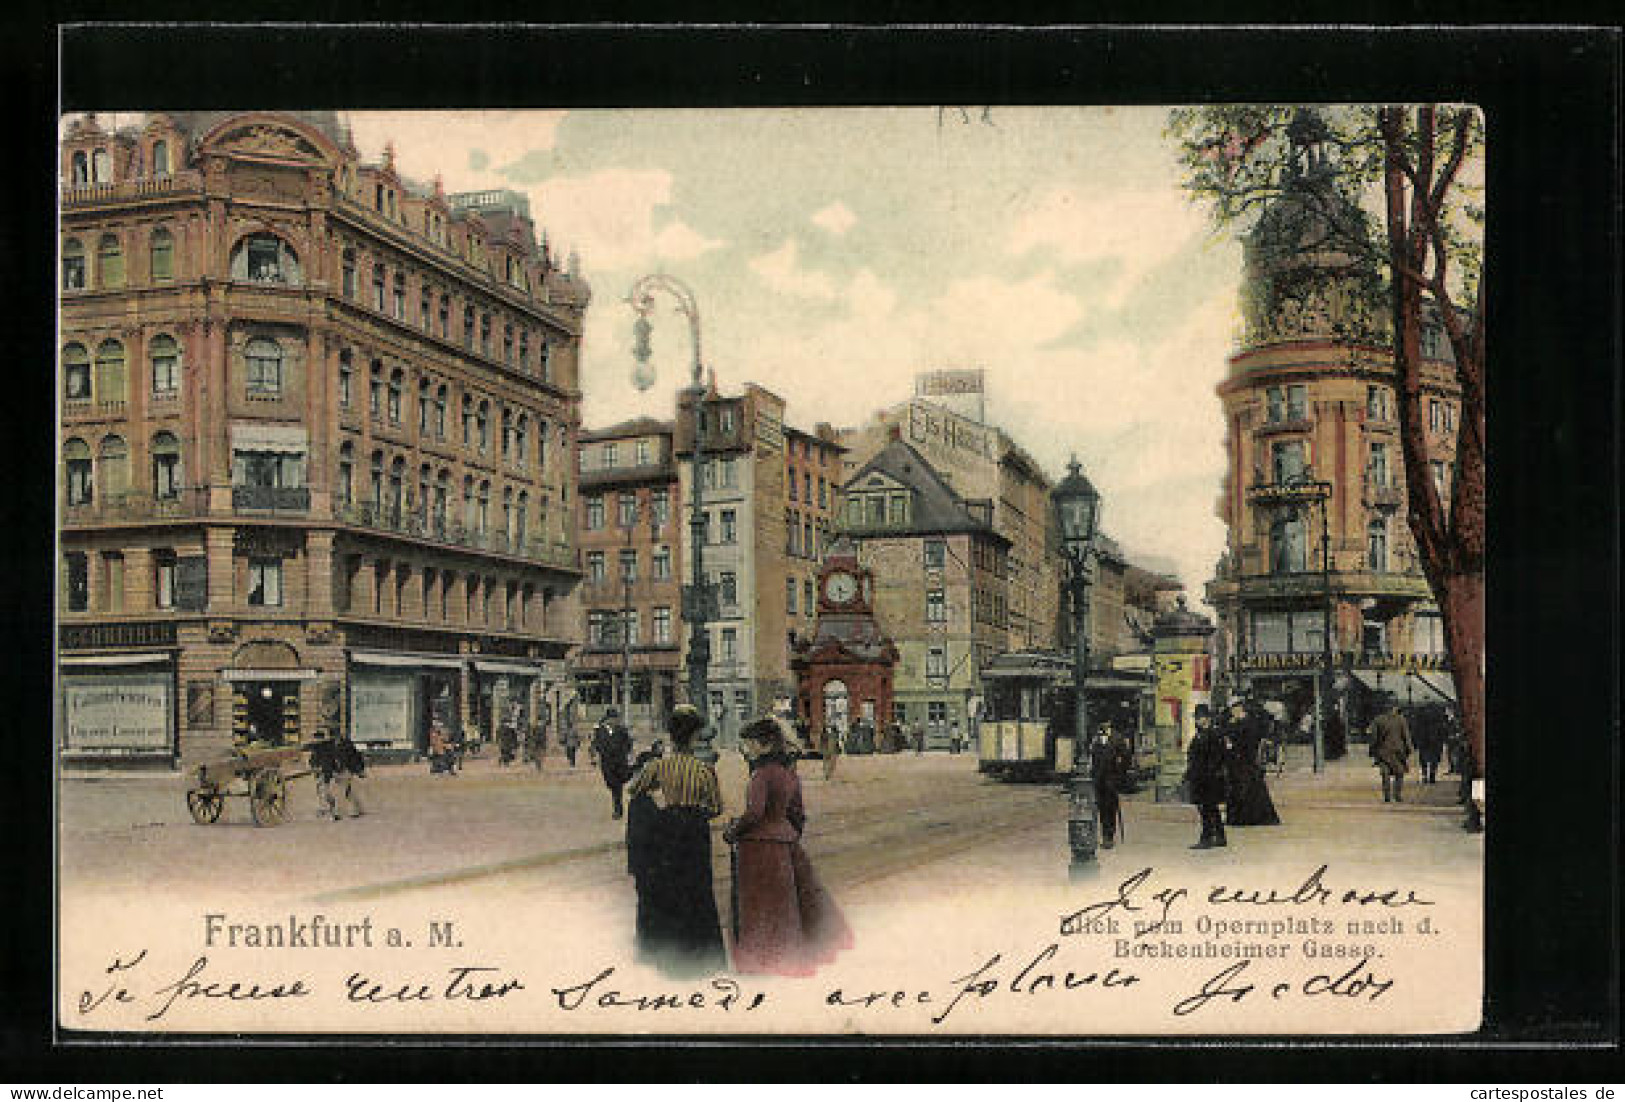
[(835, 253)]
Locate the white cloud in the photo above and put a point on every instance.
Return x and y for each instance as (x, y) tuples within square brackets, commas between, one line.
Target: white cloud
[(837, 218), (679, 241), (609, 218), (493, 139), (780, 270), (1137, 230)]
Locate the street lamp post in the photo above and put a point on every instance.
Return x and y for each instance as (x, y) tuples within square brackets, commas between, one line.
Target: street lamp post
[(695, 603), (1077, 507)]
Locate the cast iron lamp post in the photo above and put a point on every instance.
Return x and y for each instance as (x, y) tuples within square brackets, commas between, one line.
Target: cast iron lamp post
[(696, 601), (1077, 508)]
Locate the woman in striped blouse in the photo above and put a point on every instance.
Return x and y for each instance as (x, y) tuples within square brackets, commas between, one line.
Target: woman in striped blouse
[(668, 841)]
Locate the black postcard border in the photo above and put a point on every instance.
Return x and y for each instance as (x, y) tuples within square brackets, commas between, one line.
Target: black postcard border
[(1551, 96)]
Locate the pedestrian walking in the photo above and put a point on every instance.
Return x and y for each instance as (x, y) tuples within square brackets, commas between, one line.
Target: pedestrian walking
[(612, 746), (1205, 778), (1391, 749), (788, 924), (440, 751), (572, 742), (1429, 737), (1248, 800), (507, 740), (536, 743), (919, 740), (1111, 763), (831, 747), (668, 845), (336, 763)]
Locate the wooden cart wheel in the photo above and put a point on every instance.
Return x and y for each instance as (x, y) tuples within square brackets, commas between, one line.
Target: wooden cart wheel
[(268, 797), (205, 804)]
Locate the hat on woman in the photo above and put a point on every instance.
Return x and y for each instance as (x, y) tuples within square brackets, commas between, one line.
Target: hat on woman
[(685, 721)]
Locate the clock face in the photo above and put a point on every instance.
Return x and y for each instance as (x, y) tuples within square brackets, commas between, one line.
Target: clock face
[(840, 587)]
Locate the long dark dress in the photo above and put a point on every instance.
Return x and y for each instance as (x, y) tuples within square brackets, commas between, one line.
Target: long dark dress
[(1249, 803), (788, 924), (669, 856)]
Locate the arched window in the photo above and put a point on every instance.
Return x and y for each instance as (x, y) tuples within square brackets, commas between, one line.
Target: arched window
[(485, 508), (378, 287), (75, 374), (162, 255), (398, 301), (165, 357), (375, 390), (264, 360), (423, 407), (440, 412), (425, 309), (521, 441), (521, 519), (102, 167), (160, 158), (377, 478), (541, 445), (346, 377), (73, 265), (524, 349), (442, 491), (507, 344), (346, 486), (468, 503), (421, 509), (547, 361), (1287, 548), (482, 427), (485, 334), (81, 167), (397, 480), (468, 327), (396, 382), (349, 274), (265, 258), (166, 465), (507, 513), (468, 421), (507, 435), (110, 262), (1376, 545), (110, 378), (115, 463), (76, 469), (445, 317)]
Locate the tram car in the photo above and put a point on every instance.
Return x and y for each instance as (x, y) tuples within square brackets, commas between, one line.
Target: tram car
[(1027, 727)]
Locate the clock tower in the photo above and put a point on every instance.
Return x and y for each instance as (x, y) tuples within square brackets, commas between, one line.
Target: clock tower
[(844, 669)]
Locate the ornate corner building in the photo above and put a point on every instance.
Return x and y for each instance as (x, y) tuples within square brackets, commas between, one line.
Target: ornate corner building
[(317, 426), (1314, 492)]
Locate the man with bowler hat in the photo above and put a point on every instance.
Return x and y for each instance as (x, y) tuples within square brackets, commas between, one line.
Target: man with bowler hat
[(1205, 778), (612, 745)]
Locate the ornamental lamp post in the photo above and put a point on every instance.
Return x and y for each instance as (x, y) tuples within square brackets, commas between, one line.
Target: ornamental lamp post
[(697, 598), (1077, 510)]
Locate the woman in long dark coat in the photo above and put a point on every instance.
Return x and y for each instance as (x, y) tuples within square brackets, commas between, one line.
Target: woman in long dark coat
[(1249, 803), (668, 846), (788, 924)]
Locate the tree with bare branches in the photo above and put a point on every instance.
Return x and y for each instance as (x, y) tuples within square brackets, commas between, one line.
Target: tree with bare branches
[(1416, 168)]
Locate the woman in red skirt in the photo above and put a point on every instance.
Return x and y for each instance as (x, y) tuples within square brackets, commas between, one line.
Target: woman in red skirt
[(788, 924)]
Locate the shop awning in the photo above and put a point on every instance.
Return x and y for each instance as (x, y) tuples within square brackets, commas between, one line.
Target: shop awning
[(486, 666), (1422, 685), (269, 675), (114, 659), (406, 661)]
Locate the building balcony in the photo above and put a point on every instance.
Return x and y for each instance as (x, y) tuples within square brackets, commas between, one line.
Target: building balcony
[(1302, 491), (1382, 494), (117, 508), (270, 499), (418, 524), (179, 184)]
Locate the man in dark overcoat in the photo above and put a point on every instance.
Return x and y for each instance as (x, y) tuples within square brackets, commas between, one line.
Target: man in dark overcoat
[(1205, 778), (1110, 763), (612, 745), (1391, 749)]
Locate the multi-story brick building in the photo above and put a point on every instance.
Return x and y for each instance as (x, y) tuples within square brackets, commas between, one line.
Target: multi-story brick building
[(1313, 453), (941, 589), (812, 481), (632, 525), (317, 427), (982, 463)]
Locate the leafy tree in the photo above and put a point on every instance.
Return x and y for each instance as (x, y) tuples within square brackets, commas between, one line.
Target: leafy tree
[(1383, 200)]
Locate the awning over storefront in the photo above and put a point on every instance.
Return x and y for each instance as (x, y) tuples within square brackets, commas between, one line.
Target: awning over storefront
[(114, 659), (1422, 685), (269, 675), (407, 661), (486, 666)]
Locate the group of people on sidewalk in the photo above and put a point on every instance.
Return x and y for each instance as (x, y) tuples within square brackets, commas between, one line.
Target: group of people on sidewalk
[(783, 921), (1224, 766)]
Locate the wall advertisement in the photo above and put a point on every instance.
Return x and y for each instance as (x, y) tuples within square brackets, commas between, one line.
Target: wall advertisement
[(124, 713)]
